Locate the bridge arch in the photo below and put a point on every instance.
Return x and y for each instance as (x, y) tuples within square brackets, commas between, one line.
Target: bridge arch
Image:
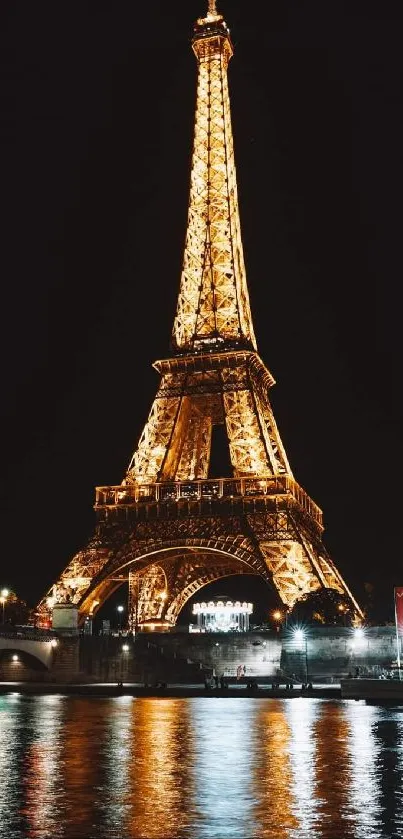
[(35, 655)]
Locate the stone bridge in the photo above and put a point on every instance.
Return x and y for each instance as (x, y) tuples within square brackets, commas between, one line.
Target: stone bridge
[(23, 648)]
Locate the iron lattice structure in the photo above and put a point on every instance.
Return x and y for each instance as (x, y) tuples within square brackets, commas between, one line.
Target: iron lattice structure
[(168, 528)]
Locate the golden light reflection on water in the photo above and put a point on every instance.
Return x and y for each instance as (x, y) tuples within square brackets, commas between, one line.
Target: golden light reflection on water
[(333, 770), (160, 802), (205, 767), (81, 764), (274, 798)]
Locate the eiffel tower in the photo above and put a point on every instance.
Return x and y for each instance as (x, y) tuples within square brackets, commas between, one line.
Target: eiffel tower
[(170, 528)]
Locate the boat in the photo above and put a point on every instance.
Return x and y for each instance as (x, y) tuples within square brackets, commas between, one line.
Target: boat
[(381, 690), (385, 688)]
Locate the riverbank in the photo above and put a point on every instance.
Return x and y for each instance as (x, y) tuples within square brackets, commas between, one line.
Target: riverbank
[(174, 690)]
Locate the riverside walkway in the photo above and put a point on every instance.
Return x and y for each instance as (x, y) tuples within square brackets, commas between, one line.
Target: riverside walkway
[(90, 689)]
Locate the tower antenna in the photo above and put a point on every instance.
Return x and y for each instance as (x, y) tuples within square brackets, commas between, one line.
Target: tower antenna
[(212, 8)]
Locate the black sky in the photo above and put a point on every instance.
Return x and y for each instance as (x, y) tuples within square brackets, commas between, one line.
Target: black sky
[(97, 114)]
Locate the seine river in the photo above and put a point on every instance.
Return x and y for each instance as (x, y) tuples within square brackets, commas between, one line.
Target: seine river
[(202, 767)]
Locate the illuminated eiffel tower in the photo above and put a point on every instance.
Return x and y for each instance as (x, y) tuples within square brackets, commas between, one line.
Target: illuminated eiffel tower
[(169, 528)]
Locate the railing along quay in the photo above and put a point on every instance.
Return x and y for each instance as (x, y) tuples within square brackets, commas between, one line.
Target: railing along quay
[(212, 489)]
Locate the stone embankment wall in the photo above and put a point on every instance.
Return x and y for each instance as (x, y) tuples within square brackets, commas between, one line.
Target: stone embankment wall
[(181, 657), (325, 654), (251, 653), (329, 654), (334, 652)]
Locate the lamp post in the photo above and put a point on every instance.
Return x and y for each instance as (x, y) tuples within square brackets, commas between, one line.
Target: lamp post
[(120, 610), (123, 661), (302, 643), (358, 646), (277, 617), (3, 599)]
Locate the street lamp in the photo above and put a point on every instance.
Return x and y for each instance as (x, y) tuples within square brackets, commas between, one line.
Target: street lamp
[(123, 661), (277, 617), (120, 609), (301, 642), (3, 598), (358, 646)]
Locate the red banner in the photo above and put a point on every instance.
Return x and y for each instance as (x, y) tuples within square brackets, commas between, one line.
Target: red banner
[(399, 609)]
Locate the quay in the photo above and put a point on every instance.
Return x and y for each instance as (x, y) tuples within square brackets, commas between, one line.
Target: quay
[(179, 691)]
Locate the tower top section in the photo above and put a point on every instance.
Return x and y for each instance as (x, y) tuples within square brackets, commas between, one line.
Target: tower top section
[(213, 312), (210, 33)]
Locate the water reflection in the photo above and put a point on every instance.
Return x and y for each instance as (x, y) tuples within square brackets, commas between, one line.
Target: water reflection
[(160, 777), (303, 717), (10, 763), (82, 767), (389, 778), (40, 769), (221, 768), (206, 767), (397, 815), (333, 768), (271, 771), (363, 792), (118, 754)]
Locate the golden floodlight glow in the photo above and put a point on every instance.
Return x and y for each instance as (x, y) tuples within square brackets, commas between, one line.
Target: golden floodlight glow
[(170, 529)]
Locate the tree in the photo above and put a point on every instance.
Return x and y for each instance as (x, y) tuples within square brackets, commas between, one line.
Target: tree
[(326, 606), (16, 610)]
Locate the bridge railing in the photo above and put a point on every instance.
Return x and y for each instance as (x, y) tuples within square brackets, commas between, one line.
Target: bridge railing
[(213, 488), (26, 633)]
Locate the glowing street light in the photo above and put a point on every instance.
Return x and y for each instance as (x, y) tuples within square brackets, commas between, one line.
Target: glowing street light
[(358, 646), (301, 642), (124, 662), (3, 599), (277, 617)]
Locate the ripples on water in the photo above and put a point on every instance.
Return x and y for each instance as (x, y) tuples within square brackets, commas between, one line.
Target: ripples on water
[(74, 768)]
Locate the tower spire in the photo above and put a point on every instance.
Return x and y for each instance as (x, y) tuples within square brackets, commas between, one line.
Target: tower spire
[(213, 309)]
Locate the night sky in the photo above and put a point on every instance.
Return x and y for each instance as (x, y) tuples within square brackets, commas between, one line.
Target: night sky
[(97, 115)]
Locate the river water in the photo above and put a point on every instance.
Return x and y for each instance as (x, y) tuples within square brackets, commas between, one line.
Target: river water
[(203, 767)]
